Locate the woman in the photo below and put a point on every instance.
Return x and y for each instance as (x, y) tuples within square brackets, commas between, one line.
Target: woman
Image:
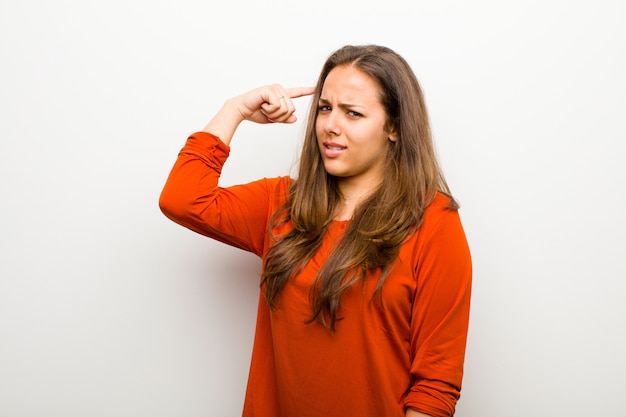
[(366, 279)]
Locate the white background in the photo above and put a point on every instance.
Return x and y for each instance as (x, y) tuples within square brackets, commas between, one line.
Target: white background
[(109, 309)]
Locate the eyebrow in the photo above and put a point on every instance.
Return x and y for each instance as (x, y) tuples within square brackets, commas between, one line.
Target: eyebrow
[(342, 105)]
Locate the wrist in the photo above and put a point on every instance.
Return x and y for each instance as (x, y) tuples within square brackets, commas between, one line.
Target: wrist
[(225, 122), (232, 110)]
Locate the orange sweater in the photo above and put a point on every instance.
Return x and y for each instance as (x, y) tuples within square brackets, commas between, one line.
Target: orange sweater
[(407, 351)]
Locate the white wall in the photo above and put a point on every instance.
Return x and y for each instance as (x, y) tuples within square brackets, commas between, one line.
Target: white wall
[(109, 309)]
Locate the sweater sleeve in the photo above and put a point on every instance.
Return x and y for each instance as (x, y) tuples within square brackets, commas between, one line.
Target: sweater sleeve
[(440, 314), (191, 197)]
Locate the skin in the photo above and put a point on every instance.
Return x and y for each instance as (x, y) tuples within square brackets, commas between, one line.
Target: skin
[(352, 134), (267, 104), (351, 116)]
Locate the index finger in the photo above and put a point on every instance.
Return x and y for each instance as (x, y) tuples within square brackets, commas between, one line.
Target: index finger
[(299, 91)]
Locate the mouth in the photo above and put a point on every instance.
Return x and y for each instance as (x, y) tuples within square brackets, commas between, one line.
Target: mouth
[(334, 147), (333, 150)]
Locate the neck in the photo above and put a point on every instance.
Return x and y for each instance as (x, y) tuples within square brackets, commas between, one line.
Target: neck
[(354, 199), (351, 196), (352, 192)]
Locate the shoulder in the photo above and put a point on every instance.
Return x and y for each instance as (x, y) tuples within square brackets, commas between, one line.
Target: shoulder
[(280, 185), (441, 215), (441, 238), (276, 188), (441, 205)]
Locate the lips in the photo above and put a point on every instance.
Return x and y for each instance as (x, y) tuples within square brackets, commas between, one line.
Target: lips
[(332, 149)]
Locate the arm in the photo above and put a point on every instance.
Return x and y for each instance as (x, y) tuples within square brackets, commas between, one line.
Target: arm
[(191, 196), (440, 312), (413, 413)]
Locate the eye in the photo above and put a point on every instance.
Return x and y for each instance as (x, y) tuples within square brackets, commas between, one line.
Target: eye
[(323, 108), (354, 114)]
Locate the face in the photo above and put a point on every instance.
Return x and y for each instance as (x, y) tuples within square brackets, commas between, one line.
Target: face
[(351, 127)]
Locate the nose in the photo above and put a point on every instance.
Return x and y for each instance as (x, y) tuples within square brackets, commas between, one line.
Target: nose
[(331, 123)]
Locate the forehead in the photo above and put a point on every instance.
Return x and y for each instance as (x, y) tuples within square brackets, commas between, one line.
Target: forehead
[(350, 84)]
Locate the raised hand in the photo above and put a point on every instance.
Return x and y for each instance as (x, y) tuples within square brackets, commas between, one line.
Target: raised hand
[(268, 104)]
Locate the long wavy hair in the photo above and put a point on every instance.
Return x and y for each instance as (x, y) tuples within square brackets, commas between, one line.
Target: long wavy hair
[(383, 221)]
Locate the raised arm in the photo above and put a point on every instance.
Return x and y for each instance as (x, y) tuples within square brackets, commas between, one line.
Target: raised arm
[(192, 197)]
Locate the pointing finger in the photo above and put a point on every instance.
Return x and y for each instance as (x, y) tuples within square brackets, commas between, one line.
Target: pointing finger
[(299, 91)]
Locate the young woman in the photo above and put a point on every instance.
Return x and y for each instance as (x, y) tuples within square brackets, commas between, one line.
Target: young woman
[(365, 289)]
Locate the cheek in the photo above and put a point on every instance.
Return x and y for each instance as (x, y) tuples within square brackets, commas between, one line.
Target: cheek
[(319, 131)]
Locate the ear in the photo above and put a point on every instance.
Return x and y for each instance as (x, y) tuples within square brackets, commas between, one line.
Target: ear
[(392, 134)]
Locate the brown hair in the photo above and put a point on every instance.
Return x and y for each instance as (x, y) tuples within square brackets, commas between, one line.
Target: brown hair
[(384, 220)]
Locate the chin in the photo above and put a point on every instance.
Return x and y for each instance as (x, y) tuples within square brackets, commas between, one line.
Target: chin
[(334, 171)]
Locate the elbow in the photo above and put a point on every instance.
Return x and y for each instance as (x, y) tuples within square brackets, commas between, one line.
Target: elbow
[(179, 206), (164, 204), (171, 206)]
